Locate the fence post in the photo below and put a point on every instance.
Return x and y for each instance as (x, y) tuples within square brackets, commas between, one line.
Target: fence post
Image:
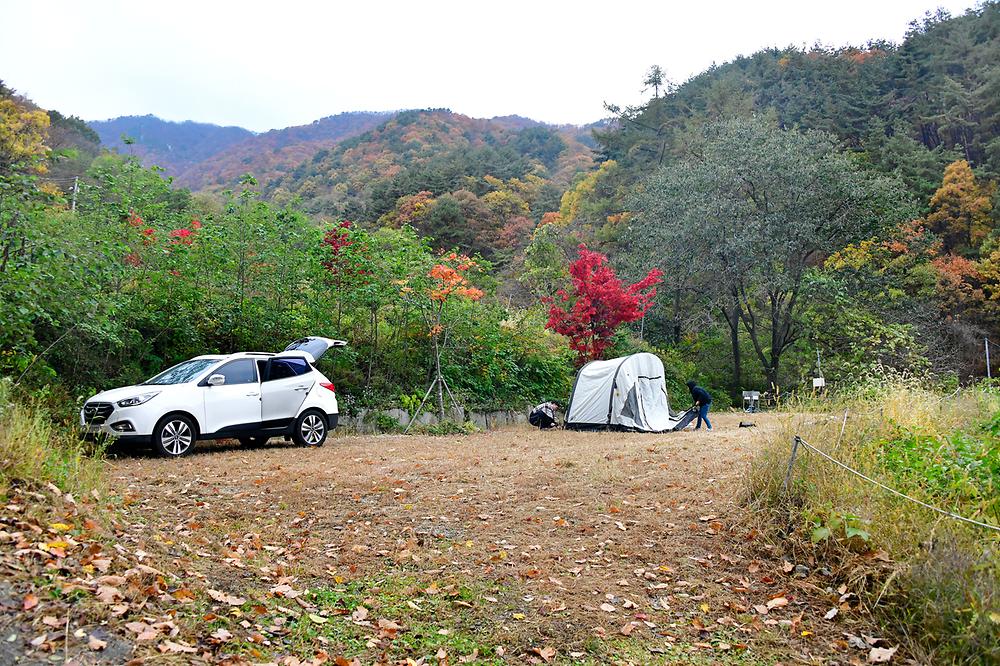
[(791, 462)]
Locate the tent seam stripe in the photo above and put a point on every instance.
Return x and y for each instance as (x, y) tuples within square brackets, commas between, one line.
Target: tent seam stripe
[(614, 382)]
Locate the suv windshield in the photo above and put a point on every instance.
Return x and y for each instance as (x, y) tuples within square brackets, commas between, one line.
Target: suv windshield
[(183, 372)]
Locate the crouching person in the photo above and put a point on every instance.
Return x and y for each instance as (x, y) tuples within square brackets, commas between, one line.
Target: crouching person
[(544, 415)]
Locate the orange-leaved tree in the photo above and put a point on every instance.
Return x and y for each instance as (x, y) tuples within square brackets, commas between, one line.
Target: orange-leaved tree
[(960, 210), (448, 282)]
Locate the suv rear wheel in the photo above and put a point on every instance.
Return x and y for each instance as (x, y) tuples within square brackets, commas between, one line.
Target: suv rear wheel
[(174, 436), (310, 429)]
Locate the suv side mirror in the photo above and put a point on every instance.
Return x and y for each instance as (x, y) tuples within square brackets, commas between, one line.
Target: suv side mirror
[(216, 380)]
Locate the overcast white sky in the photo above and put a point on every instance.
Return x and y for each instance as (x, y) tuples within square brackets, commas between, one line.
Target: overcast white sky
[(272, 64)]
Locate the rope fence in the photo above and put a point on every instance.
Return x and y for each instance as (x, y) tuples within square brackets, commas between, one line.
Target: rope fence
[(798, 441)]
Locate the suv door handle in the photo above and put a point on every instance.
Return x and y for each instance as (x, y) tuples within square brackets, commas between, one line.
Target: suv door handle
[(301, 388), (252, 395)]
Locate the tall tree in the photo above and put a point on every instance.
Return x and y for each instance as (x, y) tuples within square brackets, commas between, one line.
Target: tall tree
[(754, 208), (960, 210), (655, 79)]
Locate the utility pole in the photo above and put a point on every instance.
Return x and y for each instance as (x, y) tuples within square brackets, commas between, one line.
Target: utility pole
[(76, 189), (819, 368), (986, 345)]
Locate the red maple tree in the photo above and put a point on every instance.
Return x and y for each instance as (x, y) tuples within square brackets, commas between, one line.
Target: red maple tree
[(599, 304)]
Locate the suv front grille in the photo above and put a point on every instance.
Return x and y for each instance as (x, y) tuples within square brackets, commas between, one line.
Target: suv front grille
[(96, 413)]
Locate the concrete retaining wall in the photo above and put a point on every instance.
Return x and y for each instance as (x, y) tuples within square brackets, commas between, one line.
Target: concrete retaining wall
[(367, 421)]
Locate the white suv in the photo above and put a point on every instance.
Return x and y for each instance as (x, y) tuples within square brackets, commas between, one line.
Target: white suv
[(250, 396)]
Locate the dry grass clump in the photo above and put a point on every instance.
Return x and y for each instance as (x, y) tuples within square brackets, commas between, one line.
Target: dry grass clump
[(943, 593), (35, 449)]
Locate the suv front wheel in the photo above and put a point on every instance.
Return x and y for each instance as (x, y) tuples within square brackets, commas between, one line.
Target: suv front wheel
[(310, 429), (174, 436)]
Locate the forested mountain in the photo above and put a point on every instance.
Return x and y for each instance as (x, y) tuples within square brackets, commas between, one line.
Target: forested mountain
[(464, 181), (271, 154), (171, 145), (910, 108)]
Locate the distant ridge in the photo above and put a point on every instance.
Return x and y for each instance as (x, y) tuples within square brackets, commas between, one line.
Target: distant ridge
[(175, 146), (274, 153)]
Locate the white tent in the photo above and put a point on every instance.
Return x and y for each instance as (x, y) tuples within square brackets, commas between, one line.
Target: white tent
[(626, 393)]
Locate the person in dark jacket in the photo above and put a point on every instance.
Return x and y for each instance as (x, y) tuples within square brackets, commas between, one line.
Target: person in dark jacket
[(544, 415), (702, 400)]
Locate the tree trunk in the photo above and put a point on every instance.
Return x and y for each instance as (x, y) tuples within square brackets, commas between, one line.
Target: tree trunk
[(374, 352), (734, 340), (771, 372), (438, 379)]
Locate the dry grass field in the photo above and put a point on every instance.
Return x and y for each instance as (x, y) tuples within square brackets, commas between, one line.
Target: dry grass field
[(500, 547)]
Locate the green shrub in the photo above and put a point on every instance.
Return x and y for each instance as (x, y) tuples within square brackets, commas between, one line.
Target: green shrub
[(446, 427), (941, 597), (385, 423), (957, 469)]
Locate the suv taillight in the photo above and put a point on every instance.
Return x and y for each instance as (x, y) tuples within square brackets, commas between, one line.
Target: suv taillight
[(328, 386)]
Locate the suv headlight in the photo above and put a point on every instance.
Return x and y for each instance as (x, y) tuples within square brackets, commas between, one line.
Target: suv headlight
[(138, 399)]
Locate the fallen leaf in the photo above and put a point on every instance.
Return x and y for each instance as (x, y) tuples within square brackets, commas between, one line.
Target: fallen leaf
[(881, 655), (777, 603), (608, 608), (95, 643), (144, 631), (546, 653), (170, 646), (108, 594), (318, 619), (30, 601), (627, 629), (830, 614), (341, 660), (222, 634), (224, 598)]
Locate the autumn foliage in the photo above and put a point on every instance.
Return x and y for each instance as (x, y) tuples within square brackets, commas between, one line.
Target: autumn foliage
[(336, 246), (960, 210), (598, 305), (449, 279)]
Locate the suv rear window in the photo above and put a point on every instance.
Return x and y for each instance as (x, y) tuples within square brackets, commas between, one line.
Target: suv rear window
[(283, 368)]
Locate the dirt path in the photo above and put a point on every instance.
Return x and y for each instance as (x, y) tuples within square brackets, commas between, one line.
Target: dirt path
[(602, 547)]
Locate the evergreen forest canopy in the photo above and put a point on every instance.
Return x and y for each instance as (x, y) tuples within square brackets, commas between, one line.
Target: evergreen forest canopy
[(840, 201)]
